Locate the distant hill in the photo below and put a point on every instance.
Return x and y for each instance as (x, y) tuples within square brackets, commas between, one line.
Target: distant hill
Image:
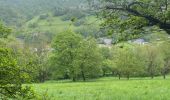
[(50, 25), (18, 11)]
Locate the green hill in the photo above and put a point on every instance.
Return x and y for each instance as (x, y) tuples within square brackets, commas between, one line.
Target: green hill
[(56, 24)]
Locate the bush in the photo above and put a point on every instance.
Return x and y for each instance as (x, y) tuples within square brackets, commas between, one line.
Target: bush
[(26, 93)]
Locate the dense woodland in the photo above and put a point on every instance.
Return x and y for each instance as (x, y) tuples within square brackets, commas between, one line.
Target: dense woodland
[(81, 40)]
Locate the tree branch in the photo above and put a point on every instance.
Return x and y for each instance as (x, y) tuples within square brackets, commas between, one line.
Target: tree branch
[(151, 19)]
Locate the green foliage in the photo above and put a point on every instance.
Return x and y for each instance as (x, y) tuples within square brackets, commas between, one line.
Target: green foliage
[(128, 62), (4, 31), (107, 60), (79, 22), (127, 19), (76, 57), (11, 74), (154, 61), (166, 57), (89, 30), (32, 25), (26, 93), (89, 59), (11, 77), (66, 45)]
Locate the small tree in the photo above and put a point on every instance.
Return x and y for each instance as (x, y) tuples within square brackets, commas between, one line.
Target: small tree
[(107, 60), (154, 61), (128, 62), (166, 57), (11, 76)]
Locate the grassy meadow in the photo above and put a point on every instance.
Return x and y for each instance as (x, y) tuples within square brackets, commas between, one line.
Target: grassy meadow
[(56, 25), (106, 89)]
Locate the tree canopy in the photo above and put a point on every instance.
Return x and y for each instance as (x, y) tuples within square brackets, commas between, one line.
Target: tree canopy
[(129, 17)]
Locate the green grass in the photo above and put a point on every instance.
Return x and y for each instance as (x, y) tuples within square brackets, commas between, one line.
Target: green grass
[(107, 89), (56, 25)]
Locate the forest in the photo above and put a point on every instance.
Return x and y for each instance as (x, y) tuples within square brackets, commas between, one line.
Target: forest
[(84, 49)]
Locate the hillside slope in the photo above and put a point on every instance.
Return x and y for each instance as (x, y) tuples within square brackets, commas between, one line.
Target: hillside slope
[(16, 11)]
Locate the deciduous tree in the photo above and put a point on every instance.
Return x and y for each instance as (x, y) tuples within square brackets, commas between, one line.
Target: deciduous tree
[(66, 45)]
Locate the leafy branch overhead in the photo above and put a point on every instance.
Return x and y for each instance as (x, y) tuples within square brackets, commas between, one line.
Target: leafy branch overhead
[(154, 12)]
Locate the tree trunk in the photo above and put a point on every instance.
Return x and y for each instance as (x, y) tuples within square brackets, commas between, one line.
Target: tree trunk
[(164, 75), (41, 77), (84, 78), (74, 79), (104, 73), (119, 76), (164, 70), (128, 77), (113, 73), (152, 76)]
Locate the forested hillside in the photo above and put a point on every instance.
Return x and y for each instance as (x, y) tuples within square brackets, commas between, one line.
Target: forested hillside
[(13, 11)]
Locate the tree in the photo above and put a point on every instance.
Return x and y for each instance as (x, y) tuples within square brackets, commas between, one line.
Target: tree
[(89, 59), (128, 18), (128, 61), (154, 61), (4, 31), (11, 76), (34, 65), (66, 45), (107, 57), (166, 57)]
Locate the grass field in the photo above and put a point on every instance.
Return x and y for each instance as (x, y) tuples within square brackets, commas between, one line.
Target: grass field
[(107, 89), (56, 25)]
